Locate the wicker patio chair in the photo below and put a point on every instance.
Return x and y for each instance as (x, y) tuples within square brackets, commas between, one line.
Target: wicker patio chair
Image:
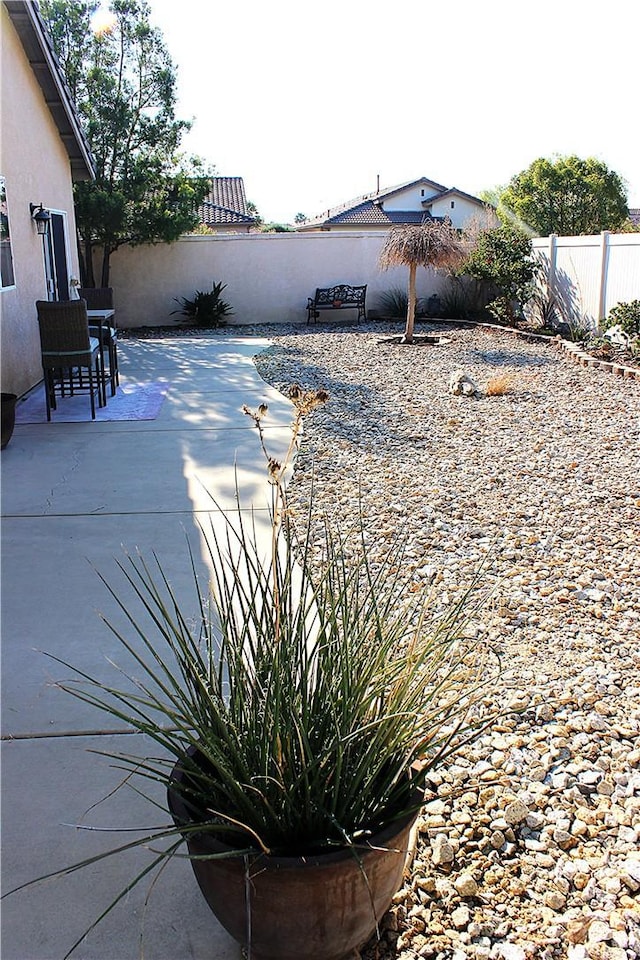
[(67, 351), (101, 298)]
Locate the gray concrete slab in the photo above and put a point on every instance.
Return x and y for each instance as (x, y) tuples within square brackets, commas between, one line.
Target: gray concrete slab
[(127, 472), (64, 619), (75, 498), (48, 787)]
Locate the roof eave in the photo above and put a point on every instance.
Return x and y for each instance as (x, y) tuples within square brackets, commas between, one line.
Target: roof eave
[(31, 30)]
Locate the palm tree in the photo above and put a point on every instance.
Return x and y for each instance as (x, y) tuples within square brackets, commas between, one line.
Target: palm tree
[(434, 243)]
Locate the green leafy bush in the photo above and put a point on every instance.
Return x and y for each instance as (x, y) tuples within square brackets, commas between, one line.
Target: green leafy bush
[(206, 309), (502, 257), (627, 315)]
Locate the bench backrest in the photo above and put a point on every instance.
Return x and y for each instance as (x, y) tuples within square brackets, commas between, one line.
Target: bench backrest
[(341, 293)]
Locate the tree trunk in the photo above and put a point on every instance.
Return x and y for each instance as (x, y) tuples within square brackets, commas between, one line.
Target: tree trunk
[(106, 256), (88, 280), (81, 264), (411, 305)]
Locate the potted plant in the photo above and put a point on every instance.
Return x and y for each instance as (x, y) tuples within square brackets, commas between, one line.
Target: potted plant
[(299, 720), (8, 410)]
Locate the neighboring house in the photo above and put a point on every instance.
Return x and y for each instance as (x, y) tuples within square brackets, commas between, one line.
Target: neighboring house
[(407, 203), (42, 151), (634, 216), (225, 207)]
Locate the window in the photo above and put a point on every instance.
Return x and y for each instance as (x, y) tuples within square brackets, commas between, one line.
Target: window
[(453, 203), (7, 276)]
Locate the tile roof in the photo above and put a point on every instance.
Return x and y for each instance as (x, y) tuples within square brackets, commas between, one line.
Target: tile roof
[(225, 203), (369, 210), (634, 215)]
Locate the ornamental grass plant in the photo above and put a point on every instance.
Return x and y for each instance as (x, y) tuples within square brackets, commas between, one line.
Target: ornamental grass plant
[(316, 687)]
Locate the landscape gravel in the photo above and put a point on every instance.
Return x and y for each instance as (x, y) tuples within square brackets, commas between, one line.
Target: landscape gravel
[(529, 843)]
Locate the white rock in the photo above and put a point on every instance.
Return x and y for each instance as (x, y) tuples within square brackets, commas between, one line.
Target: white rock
[(511, 951), (515, 812), (599, 932), (460, 917), (461, 384), (466, 885), (441, 850), (555, 501), (576, 951)]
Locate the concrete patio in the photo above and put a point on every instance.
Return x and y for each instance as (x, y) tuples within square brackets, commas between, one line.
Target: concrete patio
[(75, 496)]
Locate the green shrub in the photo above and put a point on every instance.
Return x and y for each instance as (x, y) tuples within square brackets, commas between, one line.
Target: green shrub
[(465, 299), (502, 257), (627, 315), (206, 309)]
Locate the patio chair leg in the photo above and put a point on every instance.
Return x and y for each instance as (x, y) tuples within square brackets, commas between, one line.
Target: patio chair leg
[(116, 371), (102, 380), (91, 391), (48, 386), (113, 367)]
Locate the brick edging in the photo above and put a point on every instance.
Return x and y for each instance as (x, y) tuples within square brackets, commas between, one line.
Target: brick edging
[(580, 356)]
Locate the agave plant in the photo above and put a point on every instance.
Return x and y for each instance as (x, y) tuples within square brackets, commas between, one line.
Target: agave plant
[(393, 303), (207, 309), (316, 688)]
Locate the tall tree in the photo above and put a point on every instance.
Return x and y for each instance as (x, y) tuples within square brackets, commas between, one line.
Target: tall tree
[(567, 196), (124, 86), (432, 244)]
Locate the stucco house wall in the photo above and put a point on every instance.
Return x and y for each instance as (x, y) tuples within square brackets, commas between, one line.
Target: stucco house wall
[(36, 168), (462, 211), (410, 198), (269, 276)]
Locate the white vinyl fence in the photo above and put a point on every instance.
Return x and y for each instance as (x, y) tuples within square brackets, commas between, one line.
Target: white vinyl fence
[(589, 275), (268, 276)]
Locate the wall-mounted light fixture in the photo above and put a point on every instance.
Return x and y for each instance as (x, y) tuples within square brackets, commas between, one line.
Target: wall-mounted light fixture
[(41, 217)]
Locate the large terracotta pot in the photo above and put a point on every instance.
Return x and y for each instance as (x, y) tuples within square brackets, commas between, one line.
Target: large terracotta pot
[(319, 907), (8, 410)]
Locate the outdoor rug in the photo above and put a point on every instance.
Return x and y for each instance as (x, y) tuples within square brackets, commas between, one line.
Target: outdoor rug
[(133, 401)]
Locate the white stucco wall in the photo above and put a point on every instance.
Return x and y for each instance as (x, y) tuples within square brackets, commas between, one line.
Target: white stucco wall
[(268, 276), (36, 167)]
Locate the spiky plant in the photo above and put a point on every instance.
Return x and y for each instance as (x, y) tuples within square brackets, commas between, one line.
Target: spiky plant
[(207, 309), (317, 692)]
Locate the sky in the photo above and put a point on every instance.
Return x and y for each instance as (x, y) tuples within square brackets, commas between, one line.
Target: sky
[(311, 102)]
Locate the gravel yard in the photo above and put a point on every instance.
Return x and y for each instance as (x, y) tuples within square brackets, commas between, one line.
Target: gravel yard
[(530, 843)]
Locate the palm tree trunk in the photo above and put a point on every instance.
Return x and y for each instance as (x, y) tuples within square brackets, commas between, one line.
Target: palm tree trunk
[(411, 305)]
